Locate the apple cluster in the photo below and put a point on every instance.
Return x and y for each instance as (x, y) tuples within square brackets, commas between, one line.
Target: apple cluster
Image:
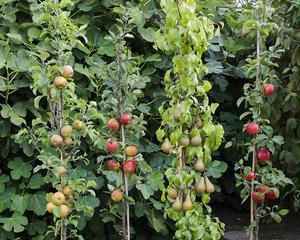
[(113, 146), (263, 155), (62, 200)]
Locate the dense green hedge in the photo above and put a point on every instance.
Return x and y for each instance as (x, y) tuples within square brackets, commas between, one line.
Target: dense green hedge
[(28, 33)]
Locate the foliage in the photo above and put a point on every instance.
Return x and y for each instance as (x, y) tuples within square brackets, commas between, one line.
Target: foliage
[(38, 37)]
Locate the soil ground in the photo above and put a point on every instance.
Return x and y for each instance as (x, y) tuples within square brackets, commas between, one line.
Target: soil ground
[(235, 221)]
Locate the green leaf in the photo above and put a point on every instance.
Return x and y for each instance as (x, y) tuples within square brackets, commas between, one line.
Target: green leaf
[(16, 223), (19, 169), (36, 181), (149, 34), (3, 179), (146, 190), (19, 203), (216, 168), (15, 37), (37, 203), (283, 212)]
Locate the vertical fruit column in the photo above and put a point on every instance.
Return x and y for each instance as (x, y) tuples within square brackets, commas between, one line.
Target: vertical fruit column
[(260, 180), (188, 130)]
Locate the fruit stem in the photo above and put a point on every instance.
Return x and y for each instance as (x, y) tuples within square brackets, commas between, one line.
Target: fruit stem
[(126, 226)]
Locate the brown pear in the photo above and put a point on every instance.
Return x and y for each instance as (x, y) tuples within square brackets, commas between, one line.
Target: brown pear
[(187, 204), (199, 124), (177, 113), (177, 205), (185, 141), (173, 193), (196, 141), (199, 166), (200, 186), (166, 146), (209, 187)]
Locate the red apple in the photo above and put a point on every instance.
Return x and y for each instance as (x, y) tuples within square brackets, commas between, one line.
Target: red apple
[(263, 154), (112, 146), (125, 119), (250, 176), (252, 128), (273, 194), (258, 197), (131, 151), (264, 189), (116, 195), (113, 124), (113, 165), (269, 89), (129, 166)]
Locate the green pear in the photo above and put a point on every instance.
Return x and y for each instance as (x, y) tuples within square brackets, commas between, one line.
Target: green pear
[(173, 193), (200, 186), (185, 141), (166, 146), (177, 113), (199, 166), (177, 205), (196, 141), (209, 187), (187, 204)]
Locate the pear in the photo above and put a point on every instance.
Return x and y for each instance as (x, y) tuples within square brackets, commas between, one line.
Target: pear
[(196, 141), (187, 204), (177, 113), (177, 205), (172, 193), (199, 124), (209, 187), (195, 80), (185, 141), (200, 186), (166, 146), (199, 166)]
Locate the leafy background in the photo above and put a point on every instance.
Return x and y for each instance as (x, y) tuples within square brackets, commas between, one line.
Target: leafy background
[(23, 191)]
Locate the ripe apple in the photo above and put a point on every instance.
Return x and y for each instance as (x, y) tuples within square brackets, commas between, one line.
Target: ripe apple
[(56, 140), (61, 170), (66, 131), (131, 151), (67, 71), (78, 125), (60, 82), (112, 146), (264, 189), (258, 197), (116, 195), (263, 154), (250, 176), (68, 141), (129, 166), (252, 128), (58, 198), (63, 211), (113, 165), (50, 207), (113, 124), (67, 190), (273, 193), (269, 89), (125, 119)]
